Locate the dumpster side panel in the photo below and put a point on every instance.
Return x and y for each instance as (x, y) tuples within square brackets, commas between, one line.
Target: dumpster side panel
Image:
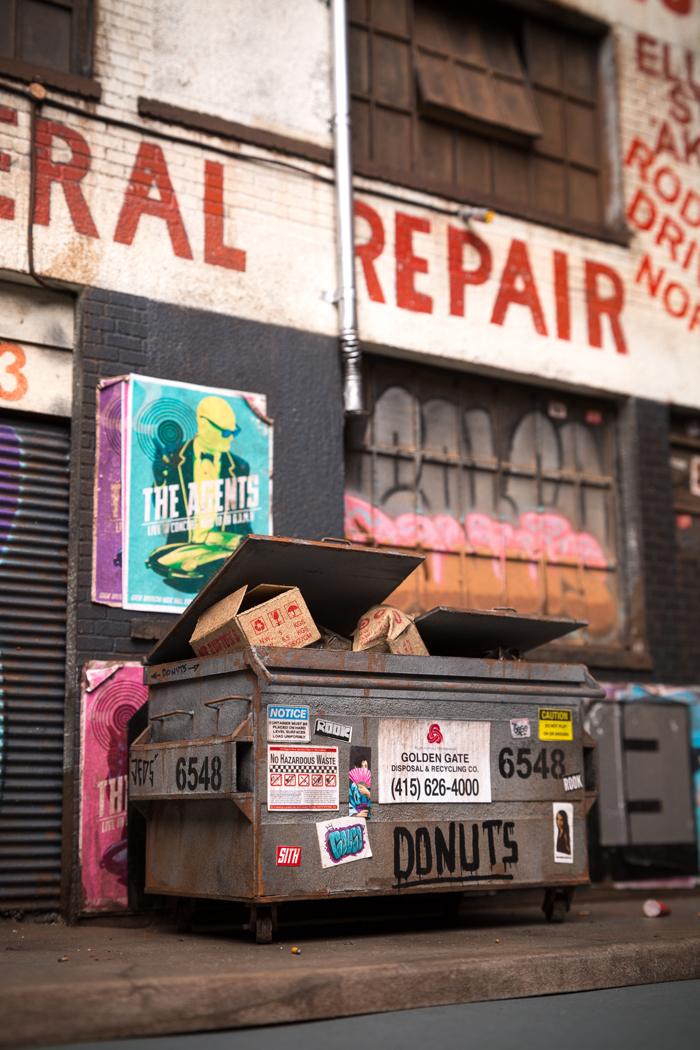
[(202, 848), (495, 846)]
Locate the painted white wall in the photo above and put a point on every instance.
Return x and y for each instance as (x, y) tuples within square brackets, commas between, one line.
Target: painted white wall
[(263, 63), (671, 20)]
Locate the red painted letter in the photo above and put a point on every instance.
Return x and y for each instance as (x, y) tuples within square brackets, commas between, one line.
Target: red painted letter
[(408, 264), (7, 205), (459, 277), (640, 153), (647, 55), (150, 170), (371, 249), (215, 251), (561, 295), (69, 175), (517, 268), (597, 306)]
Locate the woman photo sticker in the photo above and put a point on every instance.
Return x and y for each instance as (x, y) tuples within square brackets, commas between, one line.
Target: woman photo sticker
[(563, 828)]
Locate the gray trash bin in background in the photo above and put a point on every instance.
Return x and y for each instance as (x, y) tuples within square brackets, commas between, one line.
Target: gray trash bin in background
[(273, 775)]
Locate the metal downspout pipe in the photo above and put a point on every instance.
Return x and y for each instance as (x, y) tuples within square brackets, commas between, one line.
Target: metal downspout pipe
[(347, 306)]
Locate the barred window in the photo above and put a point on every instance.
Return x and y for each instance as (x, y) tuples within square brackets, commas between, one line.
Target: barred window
[(508, 490)]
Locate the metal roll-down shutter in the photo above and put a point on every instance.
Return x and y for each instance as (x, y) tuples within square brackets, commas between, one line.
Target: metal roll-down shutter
[(34, 479)]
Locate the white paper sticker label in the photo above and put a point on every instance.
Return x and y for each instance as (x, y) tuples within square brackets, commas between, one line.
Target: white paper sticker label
[(288, 724), (302, 778), (343, 840), (520, 728), (426, 761), (563, 829)]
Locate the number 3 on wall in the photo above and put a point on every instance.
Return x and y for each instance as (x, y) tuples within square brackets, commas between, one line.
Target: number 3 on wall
[(13, 381)]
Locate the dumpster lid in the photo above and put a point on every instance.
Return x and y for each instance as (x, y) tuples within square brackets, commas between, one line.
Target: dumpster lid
[(339, 581), (474, 632)]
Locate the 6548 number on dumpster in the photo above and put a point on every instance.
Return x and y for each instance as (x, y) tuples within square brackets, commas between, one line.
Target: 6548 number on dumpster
[(197, 770)]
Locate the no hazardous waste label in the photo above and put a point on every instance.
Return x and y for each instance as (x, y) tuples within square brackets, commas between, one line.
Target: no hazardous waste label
[(555, 723)]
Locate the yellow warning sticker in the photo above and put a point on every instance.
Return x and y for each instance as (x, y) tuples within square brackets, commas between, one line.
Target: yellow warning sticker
[(555, 723)]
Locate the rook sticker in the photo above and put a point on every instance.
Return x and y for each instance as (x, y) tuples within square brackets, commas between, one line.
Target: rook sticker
[(325, 728)]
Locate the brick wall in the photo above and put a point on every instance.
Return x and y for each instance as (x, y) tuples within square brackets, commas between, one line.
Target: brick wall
[(298, 372), (670, 580)]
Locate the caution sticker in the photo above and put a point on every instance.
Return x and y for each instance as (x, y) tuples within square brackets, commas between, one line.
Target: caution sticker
[(555, 723)]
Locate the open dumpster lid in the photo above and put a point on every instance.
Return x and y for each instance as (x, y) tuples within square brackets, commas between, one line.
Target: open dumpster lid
[(475, 632), (339, 581)]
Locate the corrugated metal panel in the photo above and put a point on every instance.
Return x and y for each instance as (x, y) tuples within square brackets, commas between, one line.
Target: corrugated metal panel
[(34, 478)]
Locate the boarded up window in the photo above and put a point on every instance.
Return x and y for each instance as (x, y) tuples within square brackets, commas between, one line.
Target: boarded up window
[(508, 490), (482, 103), (51, 35)]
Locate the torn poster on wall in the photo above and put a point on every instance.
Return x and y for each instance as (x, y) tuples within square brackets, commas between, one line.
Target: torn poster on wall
[(111, 694)]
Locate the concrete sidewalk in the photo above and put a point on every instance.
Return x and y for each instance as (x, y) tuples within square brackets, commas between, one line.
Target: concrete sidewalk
[(101, 980)]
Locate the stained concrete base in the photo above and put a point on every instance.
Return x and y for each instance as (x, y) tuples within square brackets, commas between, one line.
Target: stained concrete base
[(99, 981)]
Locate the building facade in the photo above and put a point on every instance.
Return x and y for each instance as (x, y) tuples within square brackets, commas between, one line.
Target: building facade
[(532, 383)]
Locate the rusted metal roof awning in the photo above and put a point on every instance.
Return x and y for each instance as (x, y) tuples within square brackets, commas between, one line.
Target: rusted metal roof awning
[(339, 581)]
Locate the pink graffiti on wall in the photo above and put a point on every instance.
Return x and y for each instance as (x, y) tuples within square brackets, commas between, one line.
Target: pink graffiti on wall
[(537, 535)]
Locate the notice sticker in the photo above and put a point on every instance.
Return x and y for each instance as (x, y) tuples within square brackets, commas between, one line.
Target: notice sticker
[(343, 840), (287, 724), (563, 830), (520, 728), (302, 778), (555, 723), (425, 761)]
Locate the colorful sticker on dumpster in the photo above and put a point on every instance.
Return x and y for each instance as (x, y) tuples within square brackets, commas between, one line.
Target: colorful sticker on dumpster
[(425, 761), (288, 856), (563, 830), (555, 723), (360, 782), (520, 728), (302, 778), (342, 840), (287, 723)]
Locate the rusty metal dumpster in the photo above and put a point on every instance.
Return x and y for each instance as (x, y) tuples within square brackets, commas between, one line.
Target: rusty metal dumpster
[(271, 775)]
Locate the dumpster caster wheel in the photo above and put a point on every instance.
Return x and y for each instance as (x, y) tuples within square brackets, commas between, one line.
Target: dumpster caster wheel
[(556, 904), (263, 925)]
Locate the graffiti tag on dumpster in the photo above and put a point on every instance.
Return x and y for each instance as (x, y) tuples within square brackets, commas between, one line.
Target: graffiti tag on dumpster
[(342, 840), (456, 852)]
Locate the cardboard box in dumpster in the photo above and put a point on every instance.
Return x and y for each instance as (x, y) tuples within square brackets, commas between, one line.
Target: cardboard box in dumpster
[(386, 629), (269, 614)]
